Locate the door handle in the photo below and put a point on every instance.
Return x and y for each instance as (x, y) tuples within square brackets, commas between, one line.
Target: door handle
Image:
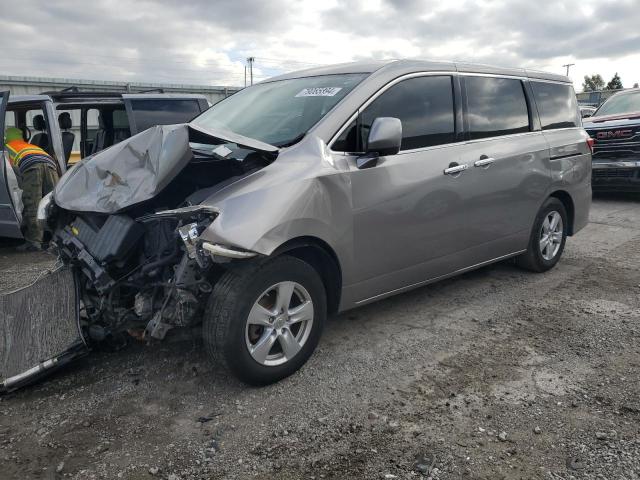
[(484, 161), (455, 168)]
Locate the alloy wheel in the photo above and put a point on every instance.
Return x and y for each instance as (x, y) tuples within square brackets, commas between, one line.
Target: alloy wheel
[(279, 323), (551, 235)]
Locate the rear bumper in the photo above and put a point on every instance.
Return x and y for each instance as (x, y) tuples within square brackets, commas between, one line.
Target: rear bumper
[(622, 176)]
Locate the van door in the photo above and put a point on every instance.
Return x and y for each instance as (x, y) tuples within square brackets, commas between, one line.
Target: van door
[(507, 156), (415, 214), (10, 194), (146, 110), (55, 134)]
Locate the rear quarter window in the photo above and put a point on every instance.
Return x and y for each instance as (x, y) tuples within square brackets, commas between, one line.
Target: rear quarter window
[(557, 105), (148, 113), (495, 107)]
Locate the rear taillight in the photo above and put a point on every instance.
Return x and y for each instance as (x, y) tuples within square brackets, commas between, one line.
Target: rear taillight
[(591, 142)]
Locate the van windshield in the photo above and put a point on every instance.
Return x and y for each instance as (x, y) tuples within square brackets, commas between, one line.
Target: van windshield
[(620, 104), (279, 113)]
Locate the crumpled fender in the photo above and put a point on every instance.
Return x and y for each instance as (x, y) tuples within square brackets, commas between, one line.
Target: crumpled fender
[(302, 194)]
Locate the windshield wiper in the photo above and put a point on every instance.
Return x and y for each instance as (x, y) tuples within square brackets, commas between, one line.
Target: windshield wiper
[(288, 143)]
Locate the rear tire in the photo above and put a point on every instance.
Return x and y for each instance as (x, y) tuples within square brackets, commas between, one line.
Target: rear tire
[(264, 319), (548, 238)]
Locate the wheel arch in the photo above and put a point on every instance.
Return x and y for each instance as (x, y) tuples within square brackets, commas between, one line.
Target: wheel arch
[(569, 206), (323, 259)]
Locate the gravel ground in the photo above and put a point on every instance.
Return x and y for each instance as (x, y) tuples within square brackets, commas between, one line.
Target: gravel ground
[(496, 374)]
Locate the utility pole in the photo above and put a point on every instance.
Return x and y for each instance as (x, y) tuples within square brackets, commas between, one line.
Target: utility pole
[(250, 61), (245, 75), (567, 66)]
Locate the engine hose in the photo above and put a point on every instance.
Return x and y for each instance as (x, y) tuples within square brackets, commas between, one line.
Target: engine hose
[(159, 263)]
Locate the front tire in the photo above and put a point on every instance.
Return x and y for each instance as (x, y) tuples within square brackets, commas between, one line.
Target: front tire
[(548, 238), (264, 319)]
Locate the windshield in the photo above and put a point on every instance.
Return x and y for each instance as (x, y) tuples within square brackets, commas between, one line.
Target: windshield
[(279, 113), (621, 103)]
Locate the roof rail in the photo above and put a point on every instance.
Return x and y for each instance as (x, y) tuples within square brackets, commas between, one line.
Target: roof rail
[(75, 91)]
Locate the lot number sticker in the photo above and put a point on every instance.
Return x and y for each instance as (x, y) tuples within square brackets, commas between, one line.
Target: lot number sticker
[(319, 92)]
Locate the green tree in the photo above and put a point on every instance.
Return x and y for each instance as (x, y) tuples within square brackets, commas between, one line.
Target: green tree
[(592, 83), (615, 83)]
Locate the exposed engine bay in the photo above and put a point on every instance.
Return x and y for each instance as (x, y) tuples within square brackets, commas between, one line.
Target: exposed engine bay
[(142, 268), (137, 274)]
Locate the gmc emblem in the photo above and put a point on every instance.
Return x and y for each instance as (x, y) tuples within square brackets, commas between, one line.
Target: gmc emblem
[(614, 134)]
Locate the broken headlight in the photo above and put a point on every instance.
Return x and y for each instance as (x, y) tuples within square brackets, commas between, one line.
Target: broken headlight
[(44, 209)]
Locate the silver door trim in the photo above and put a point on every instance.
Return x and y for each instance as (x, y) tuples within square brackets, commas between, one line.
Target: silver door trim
[(456, 169), (484, 162), (441, 277)]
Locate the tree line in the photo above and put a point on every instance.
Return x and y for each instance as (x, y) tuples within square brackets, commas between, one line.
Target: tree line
[(596, 82)]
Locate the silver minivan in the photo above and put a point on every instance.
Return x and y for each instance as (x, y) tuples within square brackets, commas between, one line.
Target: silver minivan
[(316, 192)]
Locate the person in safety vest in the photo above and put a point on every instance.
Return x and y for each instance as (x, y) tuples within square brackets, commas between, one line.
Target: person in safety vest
[(38, 173)]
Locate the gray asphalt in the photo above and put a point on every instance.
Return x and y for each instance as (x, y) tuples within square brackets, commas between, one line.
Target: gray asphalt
[(498, 373)]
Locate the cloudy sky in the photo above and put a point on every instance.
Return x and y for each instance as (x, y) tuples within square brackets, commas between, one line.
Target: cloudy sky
[(207, 42)]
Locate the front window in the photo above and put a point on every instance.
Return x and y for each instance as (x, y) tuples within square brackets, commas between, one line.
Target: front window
[(281, 112), (424, 105), (620, 104)]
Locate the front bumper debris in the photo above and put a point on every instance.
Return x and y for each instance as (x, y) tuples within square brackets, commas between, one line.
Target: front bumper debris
[(39, 329)]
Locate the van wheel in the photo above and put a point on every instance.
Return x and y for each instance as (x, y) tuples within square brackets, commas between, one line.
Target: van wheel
[(547, 238), (264, 319)]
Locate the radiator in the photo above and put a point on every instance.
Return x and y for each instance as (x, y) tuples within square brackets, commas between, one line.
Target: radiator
[(39, 329)]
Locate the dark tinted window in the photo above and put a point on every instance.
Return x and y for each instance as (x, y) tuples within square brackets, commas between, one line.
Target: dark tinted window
[(348, 141), (148, 113), (424, 105), (557, 105), (496, 106)]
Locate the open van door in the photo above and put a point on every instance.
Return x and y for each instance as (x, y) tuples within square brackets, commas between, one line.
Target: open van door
[(10, 193)]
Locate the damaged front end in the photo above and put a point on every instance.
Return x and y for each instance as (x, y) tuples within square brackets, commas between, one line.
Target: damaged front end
[(143, 276), (127, 223)]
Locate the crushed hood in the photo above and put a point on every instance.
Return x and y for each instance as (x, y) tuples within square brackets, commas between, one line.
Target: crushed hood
[(139, 168)]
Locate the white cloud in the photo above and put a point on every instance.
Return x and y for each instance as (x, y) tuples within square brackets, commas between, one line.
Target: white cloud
[(199, 41)]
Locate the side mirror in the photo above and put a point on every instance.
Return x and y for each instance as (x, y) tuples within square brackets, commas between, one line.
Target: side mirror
[(385, 138)]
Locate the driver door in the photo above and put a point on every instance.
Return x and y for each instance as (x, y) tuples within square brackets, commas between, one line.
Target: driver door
[(411, 219), (10, 194)]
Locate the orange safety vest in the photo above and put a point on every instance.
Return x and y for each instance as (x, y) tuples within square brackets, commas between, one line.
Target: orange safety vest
[(26, 155), (19, 149)]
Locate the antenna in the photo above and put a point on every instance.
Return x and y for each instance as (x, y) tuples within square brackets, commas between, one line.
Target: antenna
[(567, 66)]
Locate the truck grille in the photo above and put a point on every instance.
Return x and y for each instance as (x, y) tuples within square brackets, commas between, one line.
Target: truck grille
[(614, 173), (610, 144)]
